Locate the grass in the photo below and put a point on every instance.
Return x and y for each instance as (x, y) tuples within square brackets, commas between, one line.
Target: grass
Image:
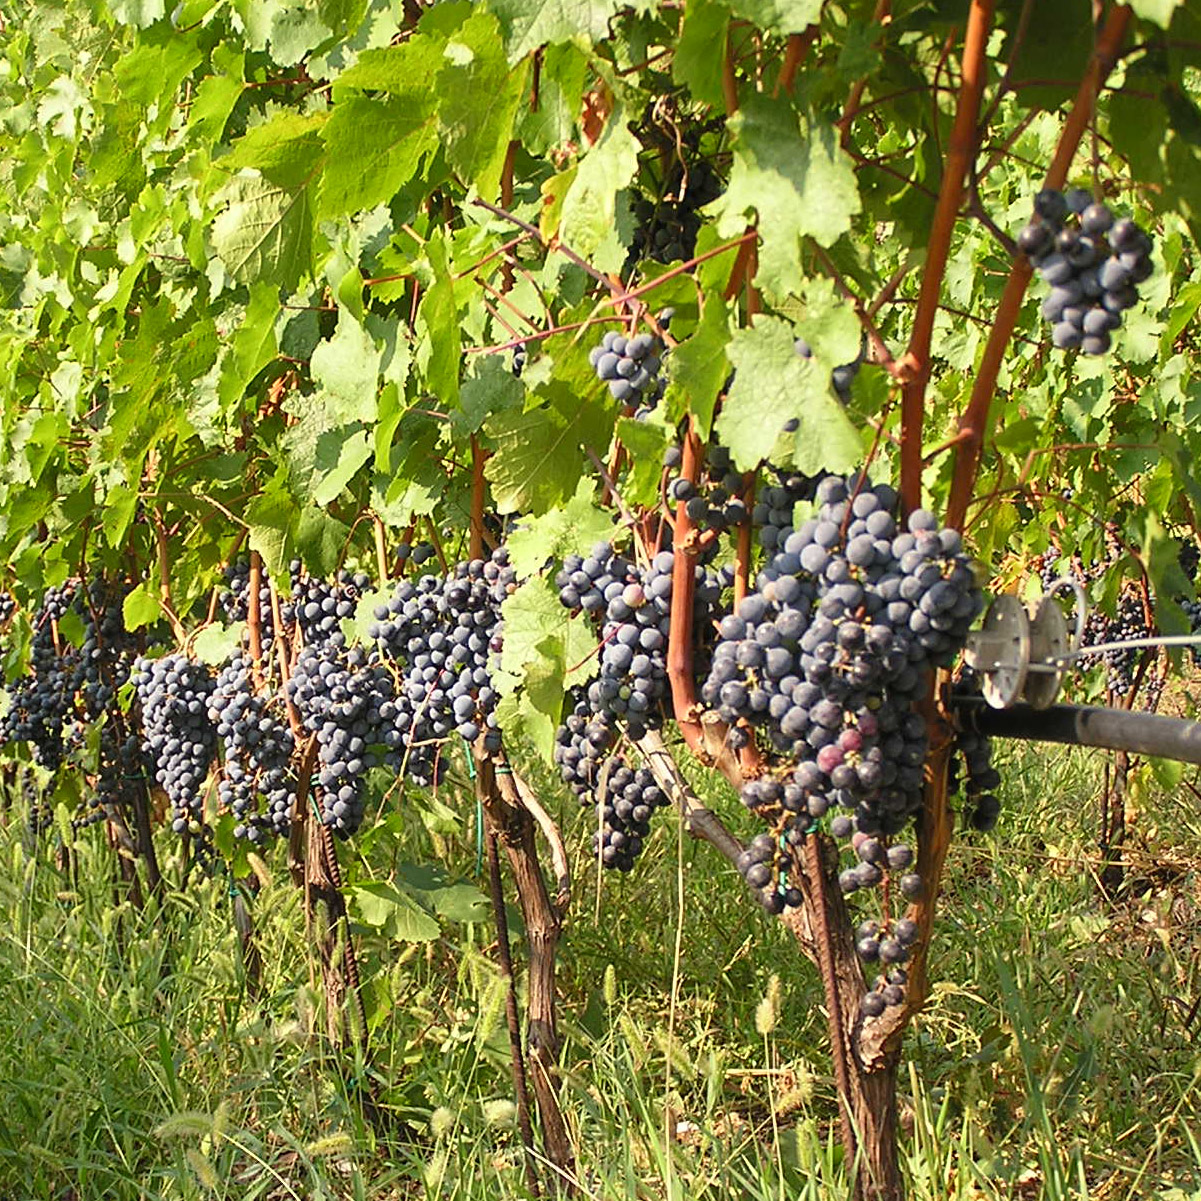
[(1057, 1057)]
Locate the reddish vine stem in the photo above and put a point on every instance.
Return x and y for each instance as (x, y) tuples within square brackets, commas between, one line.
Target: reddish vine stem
[(478, 485), (743, 549), (406, 541), (960, 153), (436, 540), (729, 84), (350, 959), (851, 109), (164, 580), (934, 840), (683, 587), (254, 619), (975, 416), (799, 45)]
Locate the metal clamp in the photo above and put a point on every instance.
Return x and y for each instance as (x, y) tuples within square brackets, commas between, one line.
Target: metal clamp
[(1020, 652)]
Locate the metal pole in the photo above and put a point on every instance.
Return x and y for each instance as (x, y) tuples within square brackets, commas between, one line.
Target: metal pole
[(1080, 725)]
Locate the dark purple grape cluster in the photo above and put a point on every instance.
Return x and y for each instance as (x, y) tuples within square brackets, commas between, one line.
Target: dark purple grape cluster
[(39, 812), (417, 553), (822, 663), (108, 650), (715, 501), (980, 778), (1093, 263), (257, 747), (666, 231), (8, 606), (320, 606), (440, 635), (621, 795), (72, 687), (178, 736), (121, 766), (1128, 622), (631, 365), (341, 694), (1188, 558), (632, 608), (519, 359), (41, 701), (841, 378)]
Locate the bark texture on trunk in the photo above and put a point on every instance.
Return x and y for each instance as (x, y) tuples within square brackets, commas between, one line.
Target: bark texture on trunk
[(513, 827)]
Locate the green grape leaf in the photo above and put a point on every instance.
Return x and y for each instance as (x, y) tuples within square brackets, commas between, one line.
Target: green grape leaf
[(574, 528), (374, 147), (286, 150), (699, 367), (295, 31), (393, 69), (253, 345), (216, 643), (590, 205), (346, 366), (645, 442), (339, 455), (383, 907), (537, 461), (139, 13), (796, 178), (778, 16), (489, 387), (439, 329), (694, 63), (542, 647), (477, 102), (215, 98), (263, 231), (270, 518), (1158, 11), (534, 619), (528, 24), (320, 540), (141, 606), (773, 385), (553, 122), (120, 507)]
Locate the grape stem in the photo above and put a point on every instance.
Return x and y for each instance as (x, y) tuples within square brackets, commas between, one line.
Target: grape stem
[(381, 547), (799, 45), (254, 622), (683, 586), (915, 365), (975, 416), (534, 232), (478, 487)]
